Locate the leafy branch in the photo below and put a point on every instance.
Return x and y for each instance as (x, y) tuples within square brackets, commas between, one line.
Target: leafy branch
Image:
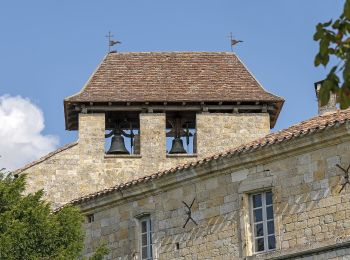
[(334, 41)]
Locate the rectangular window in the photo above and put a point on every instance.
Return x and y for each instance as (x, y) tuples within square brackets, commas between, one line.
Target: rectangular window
[(90, 218), (263, 222), (146, 238)]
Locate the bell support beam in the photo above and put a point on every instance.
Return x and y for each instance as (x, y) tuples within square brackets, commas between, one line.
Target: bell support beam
[(72, 109), (140, 108)]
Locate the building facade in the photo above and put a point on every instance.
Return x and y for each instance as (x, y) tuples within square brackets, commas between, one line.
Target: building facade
[(197, 175)]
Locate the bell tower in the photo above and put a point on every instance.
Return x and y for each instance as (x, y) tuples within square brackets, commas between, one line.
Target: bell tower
[(141, 113)]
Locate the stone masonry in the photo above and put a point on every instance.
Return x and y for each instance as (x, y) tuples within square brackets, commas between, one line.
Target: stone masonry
[(84, 168), (310, 213)]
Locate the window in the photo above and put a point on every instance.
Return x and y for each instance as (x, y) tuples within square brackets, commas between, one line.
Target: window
[(263, 222), (181, 133), (146, 238), (90, 218), (122, 133)]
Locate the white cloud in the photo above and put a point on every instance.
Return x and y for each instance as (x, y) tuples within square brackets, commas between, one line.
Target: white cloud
[(21, 140)]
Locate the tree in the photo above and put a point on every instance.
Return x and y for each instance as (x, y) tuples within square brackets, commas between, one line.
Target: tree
[(334, 42), (30, 230)]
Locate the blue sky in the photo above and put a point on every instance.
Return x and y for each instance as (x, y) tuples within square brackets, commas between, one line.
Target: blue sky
[(49, 49)]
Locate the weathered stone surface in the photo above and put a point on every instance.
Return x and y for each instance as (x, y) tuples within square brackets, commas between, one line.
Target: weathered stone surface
[(309, 218), (216, 132), (84, 169)]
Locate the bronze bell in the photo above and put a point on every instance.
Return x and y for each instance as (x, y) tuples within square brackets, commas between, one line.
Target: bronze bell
[(177, 146), (117, 145)]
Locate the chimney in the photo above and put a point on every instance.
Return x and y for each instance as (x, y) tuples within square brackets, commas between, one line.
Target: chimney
[(331, 106)]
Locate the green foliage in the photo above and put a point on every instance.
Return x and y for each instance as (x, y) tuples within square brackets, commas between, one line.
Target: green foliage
[(334, 41), (28, 228), (100, 253)]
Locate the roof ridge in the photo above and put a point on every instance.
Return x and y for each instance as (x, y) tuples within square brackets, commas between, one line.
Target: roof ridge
[(270, 139), (176, 52), (45, 157), (88, 81)]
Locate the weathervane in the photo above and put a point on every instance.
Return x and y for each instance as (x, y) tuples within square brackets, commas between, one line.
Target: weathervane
[(233, 41), (111, 42)]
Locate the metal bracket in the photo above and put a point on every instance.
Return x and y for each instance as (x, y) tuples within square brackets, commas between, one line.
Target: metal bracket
[(346, 176), (83, 109), (189, 213)]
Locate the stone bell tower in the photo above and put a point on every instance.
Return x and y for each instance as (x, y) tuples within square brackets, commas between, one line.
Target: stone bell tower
[(140, 113)]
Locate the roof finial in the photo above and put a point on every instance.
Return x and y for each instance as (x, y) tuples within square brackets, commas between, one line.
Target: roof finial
[(111, 42), (233, 41)]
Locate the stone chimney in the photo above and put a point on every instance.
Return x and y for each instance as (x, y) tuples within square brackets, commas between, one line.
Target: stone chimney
[(330, 106)]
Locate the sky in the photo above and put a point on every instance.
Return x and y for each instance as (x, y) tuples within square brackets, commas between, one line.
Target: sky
[(48, 50)]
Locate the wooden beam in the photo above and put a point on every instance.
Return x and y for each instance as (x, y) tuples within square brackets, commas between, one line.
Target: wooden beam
[(196, 108)]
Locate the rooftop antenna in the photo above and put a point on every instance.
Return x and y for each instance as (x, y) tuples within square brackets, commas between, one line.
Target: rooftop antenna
[(111, 42), (233, 41)]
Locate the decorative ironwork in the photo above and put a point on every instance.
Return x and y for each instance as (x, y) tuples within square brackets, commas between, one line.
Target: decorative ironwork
[(189, 213), (177, 131), (346, 176), (111, 42), (233, 41), (117, 144)]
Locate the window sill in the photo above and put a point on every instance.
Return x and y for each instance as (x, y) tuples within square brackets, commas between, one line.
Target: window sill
[(177, 155), (265, 253), (124, 156)]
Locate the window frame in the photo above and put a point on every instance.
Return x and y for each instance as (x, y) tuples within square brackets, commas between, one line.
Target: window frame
[(149, 233), (264, 221)]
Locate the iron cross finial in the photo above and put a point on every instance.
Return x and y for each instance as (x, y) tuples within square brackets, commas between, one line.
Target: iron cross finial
[(233, 41), (111, 42)]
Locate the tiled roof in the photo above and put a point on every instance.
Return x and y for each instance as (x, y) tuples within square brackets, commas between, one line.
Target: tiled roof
[(44, 158), (172, 77), (306, 127)]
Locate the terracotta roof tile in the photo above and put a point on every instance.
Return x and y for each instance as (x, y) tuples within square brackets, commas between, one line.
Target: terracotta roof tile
[(310, 126), (173, 77)]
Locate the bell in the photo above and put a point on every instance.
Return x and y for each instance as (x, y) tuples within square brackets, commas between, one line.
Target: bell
[(117, 145), (177, 146)]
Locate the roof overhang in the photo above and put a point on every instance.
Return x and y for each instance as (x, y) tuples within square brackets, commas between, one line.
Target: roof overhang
[(72, 109)]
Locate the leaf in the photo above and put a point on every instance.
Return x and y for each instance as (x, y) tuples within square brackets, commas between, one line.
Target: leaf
[(325, 60), (332, 72), (324, 44), (344, 99), (336, 24), (318, 60), (319, 27), (325, 92), (326, 24), (347, 9), (346, 71), (331, 51), (318, 35)]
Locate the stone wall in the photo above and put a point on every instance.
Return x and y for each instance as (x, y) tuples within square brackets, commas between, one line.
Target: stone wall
[(218, 132), (55, 172), (309, 211), (92, 170)]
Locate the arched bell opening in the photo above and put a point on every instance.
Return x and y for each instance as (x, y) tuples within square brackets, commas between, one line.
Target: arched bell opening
[(181, 133), (122, 134)]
